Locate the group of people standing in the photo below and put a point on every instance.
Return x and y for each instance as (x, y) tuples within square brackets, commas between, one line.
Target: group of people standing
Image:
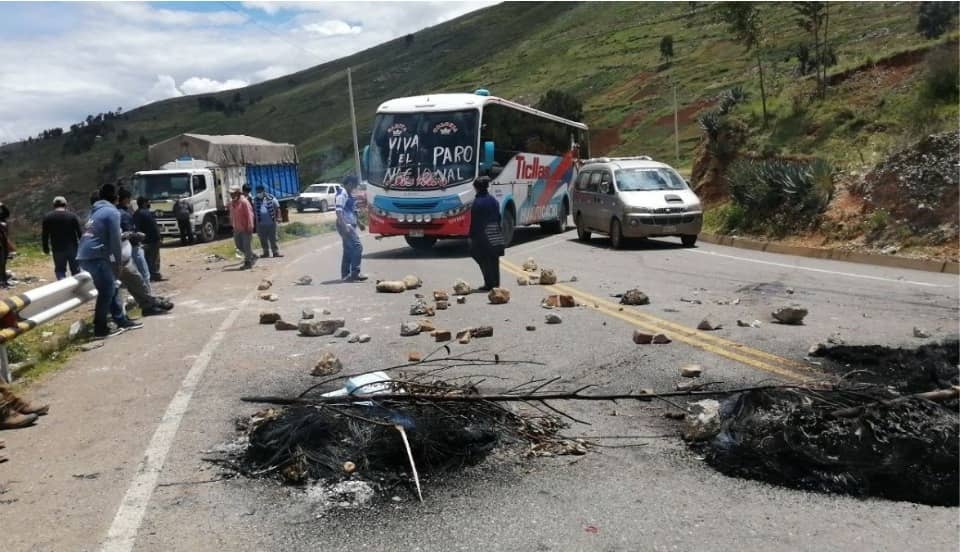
[(260, 214)]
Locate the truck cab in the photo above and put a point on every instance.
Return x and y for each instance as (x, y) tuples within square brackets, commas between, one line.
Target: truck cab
[(200, 182)]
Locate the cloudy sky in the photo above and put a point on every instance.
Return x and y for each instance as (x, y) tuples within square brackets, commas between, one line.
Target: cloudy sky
[(63, 61)]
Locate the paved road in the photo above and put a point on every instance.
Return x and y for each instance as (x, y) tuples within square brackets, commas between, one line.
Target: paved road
[(117, 465)]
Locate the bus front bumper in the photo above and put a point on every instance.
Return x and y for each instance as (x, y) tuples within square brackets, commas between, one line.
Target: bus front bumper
[(452, 227)]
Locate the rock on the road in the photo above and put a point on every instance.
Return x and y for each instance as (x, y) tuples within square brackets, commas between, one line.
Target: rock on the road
[(316, 328), (461, 300), (426, 325), (264, 285), (552, 319), (283, 326), (354, 339), (563, 301), (691, 371), (790, 315), (391, 286), (269, 317), (499, 296), (482, 331), (364, 338), (272, 297), (342, 332), (920, 333), (441, 295), (461, 287), (442, 335), (328, 365), (530, 265), (644, 338), (522, 280), (705, 424), (304, 281), (548, 277), (307, 314), (634, 297), (709, 325), (412, 282), (442, 305), (408, 329)]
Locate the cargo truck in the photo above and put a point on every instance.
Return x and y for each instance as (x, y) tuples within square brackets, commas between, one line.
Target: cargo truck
[(203, 168)]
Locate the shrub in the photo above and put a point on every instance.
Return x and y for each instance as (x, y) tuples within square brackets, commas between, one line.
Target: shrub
[(941, 79), (17, 351), (778, 194)]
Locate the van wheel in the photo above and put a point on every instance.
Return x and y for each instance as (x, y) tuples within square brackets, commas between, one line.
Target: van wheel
[(299, 208), (323, 206), (208, 230), (688, 240), (616, 235), (507, 226), (421, 244), (582, 233)]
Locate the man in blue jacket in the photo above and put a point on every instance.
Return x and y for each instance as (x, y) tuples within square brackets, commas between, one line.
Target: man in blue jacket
[(100, 254)]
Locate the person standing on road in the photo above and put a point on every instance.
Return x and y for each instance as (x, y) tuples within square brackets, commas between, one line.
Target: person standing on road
[(486, 237), (183, 210), (347, 226), (100, 254), (267, 210), (6, 245), (129, 228), (60, 234), (147, 225), (241, 218)]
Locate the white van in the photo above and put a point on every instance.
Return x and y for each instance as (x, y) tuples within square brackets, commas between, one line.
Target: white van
[(634, 197)]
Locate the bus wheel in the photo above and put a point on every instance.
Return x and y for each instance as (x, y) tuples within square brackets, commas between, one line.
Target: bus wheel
[(421, 244), (507, 226), (559, 224), (208, 230)]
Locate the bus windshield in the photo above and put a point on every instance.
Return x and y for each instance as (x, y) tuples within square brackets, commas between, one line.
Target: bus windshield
[(423, 151), (160, 187)]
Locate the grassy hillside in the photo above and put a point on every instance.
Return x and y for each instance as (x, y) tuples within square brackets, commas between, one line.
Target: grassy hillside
[(606, 53)]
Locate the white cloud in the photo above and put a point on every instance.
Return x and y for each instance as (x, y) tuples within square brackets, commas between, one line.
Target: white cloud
[(203, 85), (144, 13), (333, 27), (130, 54), (164, 87)]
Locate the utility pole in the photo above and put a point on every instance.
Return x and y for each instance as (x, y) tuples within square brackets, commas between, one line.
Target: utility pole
[(353, 119)]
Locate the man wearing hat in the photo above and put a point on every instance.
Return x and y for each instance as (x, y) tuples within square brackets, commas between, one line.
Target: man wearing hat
[(241, 218), (60, 235), (267, 212)]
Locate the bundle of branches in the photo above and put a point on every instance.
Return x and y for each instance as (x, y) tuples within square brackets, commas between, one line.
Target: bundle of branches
[(418, 427), (863, 441)]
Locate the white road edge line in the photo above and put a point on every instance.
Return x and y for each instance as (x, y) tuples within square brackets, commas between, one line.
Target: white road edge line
[(126, 524), (821, 270)]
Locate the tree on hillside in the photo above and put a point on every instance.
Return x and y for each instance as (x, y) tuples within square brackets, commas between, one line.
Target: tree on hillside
[(935, 18), (814, 17), (666, 49), (561, 103), (744, 22)]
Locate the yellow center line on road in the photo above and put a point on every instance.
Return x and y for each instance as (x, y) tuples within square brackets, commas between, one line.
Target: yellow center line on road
[(732, 350)]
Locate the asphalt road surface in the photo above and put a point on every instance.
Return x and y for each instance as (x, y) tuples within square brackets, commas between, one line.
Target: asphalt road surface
[(118, 464)]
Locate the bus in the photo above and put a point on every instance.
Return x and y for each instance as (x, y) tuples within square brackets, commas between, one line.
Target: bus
[(426, 151)]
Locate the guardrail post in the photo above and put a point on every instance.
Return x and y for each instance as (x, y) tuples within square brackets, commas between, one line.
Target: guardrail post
[(5, 375)]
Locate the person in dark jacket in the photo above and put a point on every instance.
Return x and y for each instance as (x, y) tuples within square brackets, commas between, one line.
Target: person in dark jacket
[(147, 225), (6, 246), (182, 211), (61, 235), (129, 228), (486, 237)]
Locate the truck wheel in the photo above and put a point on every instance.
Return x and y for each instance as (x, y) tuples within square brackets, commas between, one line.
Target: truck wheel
[(508, 225), (323, 206), (208, 230), (421, 244)]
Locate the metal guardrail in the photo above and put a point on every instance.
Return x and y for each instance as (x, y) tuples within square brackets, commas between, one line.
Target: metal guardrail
[(23, 312)]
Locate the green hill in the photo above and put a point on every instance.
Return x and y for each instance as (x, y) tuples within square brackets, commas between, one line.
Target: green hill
[(606, 53)]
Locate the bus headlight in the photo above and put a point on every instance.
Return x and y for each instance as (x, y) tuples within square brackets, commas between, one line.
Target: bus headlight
[(427, 218), (418, 218)]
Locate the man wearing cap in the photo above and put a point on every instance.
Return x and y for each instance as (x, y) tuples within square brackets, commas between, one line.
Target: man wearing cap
[(267, 211), (61, 234), (241, 218), (347, 227)]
